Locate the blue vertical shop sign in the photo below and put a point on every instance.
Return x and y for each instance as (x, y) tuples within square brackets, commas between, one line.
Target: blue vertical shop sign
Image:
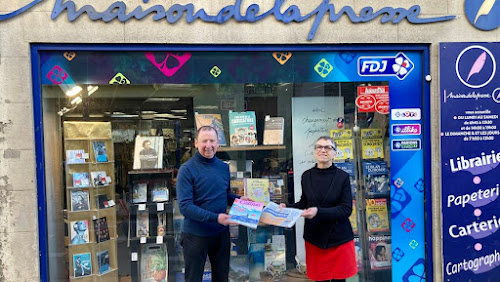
[(470, 154)]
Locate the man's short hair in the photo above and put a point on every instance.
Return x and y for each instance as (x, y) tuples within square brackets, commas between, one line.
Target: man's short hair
[(328, 138), (206, 128), (146, 141)]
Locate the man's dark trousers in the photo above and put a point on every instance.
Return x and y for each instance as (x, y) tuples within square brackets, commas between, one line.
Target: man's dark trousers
[(196, 249)]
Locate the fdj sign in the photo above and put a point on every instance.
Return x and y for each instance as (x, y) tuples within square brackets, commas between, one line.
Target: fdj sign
[(399, 66), (406, 145)]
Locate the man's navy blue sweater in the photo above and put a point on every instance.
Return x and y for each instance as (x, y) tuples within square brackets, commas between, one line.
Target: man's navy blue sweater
[(203, 192)]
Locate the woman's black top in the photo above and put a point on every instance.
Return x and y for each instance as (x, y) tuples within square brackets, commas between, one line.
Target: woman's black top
[(330, 191)]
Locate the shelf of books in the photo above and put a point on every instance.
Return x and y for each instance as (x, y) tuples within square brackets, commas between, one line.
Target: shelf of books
[(90, 194), (151, 233)]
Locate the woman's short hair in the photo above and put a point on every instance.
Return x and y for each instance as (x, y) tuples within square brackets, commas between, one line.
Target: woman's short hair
[(328, 138)]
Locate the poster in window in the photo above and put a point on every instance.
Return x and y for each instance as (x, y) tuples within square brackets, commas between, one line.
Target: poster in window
[(243, 128), (380, 252), (377, 219), (148, 153), (213, 120)]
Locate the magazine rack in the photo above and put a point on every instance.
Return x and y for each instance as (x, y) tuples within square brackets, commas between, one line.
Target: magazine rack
[(151, 227), (92, 253)]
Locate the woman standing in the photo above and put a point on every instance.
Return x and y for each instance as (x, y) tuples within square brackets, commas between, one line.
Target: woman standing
[(327, 200)]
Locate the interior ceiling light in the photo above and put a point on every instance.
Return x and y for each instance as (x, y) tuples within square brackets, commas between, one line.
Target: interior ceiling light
[(76, 101), (165, 115), (63, 111), (148, 112), (206, 107), (178, 111), (162, 99), (124, 116), (92, 89), (73, 91)]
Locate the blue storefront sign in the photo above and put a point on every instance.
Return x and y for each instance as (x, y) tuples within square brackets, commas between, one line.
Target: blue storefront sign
[(470, 146)]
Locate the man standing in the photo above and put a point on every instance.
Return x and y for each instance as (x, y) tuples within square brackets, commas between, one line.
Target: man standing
[(203, 192)]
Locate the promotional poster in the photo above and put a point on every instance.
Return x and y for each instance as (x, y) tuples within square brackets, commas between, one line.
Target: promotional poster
[(470, 154)]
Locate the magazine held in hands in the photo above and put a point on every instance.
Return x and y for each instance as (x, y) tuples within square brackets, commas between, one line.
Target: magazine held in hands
[(273, 215), (246, 213)]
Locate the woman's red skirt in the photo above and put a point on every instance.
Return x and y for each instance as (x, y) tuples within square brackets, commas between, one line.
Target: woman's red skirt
[(337, 262)]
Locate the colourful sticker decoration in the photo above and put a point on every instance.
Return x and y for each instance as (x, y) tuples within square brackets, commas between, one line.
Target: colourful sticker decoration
[(57, 75), (282, 57), (408, 225), (416, 272), (170, 62), (119, 78), (215, 71), (399, 182), (340, 123), (347, 56), (69, 55), (419, 185), (323, 68), (413, 244), (399, 200), (398, 254)]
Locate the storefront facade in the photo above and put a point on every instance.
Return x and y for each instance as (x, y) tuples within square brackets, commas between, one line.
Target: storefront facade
[(138, 71)]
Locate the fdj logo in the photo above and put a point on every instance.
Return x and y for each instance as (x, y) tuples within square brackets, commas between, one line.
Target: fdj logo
[(483, 14), (399, 66)]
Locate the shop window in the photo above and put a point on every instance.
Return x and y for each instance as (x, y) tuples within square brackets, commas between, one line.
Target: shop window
[(115, 140)]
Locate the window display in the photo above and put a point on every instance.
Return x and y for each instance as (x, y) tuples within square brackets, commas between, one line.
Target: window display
[(123, 146), (91, 227)]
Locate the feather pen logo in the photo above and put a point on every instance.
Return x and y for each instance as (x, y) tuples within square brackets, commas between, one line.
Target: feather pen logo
[(475, 66), (485, 9), (483, 14), (478, 65)]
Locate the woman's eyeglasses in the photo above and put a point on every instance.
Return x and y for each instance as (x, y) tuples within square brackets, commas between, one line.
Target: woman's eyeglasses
[(326, 148)]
